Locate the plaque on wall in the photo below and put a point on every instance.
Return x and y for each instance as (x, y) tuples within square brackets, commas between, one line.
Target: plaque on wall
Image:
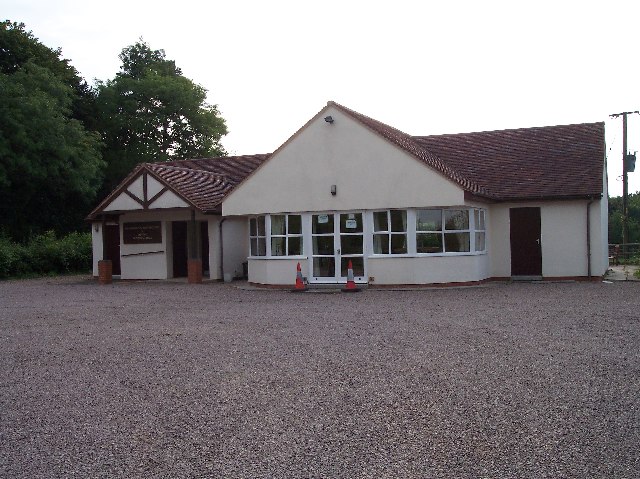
[(142, 233)]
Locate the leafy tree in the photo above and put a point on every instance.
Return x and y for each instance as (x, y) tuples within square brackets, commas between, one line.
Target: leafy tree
[(615, 219), (50, 166), (151, 112)]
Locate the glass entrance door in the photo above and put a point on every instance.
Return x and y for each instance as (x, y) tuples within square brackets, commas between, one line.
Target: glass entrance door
[(337, 238)]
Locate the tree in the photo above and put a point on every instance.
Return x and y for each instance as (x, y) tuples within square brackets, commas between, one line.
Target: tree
[(615, 219), (150, 112), (50, 165)]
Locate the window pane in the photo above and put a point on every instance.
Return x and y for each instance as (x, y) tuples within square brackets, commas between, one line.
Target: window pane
[(295, 224), (456, 242), (456, 219), (480, 220), (429, 243), (262, 247), (261, 228), (323, 245), (278, 246), (380, 221), (295, 246), (480, 242), (398, 244), (252, 227), (351, 244), (381, 244), (324, 267), (277, 225), (398, 221), (429, 220), (357, 264), (254, 247), (351, 223), (322, 224)]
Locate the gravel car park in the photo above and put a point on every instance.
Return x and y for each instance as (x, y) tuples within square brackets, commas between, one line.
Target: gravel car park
[(166, 379)]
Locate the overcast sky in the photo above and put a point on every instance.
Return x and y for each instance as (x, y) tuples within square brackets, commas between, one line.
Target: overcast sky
[(422, 67)]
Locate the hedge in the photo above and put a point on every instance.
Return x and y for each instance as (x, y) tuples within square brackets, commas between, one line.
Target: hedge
[(45, 255)]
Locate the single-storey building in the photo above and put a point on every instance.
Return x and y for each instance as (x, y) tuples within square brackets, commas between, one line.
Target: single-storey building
[(461, 208)]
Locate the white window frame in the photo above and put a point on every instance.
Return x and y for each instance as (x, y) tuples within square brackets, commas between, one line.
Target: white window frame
[(481, 214), (268, 236), (471, 231), (286, 236), (257, 237), (389, 233)]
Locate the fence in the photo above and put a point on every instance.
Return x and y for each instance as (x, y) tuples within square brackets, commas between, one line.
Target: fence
[(624, 253)]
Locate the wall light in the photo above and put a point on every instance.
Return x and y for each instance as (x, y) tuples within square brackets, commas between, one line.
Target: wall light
[(328, 119), (96, 227), (333, 190)]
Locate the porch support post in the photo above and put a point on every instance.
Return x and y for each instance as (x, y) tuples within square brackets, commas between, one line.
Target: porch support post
[(105, 267), (194, 264)]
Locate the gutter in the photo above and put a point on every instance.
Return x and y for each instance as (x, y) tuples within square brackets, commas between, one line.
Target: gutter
[(589, 236), (221, 248)]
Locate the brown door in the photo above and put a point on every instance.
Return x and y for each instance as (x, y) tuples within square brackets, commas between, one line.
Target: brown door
[(179, 239), (112, 239), (526, 251)]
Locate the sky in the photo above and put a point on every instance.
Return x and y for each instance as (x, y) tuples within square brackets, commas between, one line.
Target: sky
[(424, 67)]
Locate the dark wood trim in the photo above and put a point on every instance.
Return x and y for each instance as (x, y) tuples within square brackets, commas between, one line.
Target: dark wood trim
[(140, 254), (134, 197), (144, 187), (155, 197)]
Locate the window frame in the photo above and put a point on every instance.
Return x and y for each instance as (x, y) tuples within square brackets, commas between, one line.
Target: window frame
[(470, 230), (286, 236), (257, 236), (390, 233), (268, 236)]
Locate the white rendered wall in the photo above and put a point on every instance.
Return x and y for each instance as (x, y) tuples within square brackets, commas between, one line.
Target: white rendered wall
[(428, 270), (368, 171), (563, 238), (235, 235), (276, 271), (96, 246)]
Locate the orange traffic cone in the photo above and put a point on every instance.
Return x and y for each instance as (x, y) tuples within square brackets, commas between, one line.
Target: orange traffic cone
[(300, 286), (351, 284)]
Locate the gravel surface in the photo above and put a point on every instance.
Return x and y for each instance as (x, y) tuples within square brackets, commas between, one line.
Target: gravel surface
[(159, 379)]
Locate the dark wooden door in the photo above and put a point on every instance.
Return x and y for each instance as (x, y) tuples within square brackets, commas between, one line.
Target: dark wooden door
[(179, 239), (526, 251), (112, 243)]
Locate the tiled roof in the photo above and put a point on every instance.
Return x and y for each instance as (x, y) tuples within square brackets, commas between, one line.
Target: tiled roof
[(530, 163), (203, 182), (552, 162)]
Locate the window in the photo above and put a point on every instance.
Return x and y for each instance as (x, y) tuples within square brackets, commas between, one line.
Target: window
[(286, 235), (429, 231), (456, 231), (390, 232), (257, 236), (443, 231), (478, 216)]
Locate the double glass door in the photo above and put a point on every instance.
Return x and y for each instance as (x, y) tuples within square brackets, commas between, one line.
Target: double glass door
[(337, 238)]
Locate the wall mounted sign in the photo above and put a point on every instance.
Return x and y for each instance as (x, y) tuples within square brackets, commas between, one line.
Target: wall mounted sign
[(142, 233)]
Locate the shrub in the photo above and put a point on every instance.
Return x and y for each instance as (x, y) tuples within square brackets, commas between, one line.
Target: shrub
[(45, 254)]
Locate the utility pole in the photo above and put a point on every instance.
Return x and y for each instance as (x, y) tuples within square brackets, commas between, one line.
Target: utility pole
[(625, 184)]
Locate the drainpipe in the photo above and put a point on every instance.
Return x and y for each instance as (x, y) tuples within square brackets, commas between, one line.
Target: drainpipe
[(589, 237), (221, 248)]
